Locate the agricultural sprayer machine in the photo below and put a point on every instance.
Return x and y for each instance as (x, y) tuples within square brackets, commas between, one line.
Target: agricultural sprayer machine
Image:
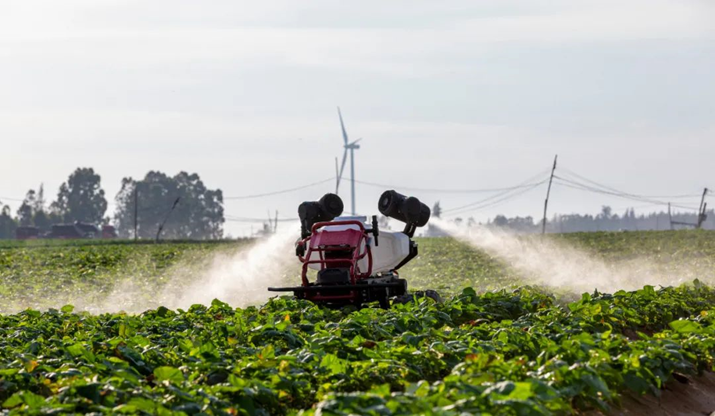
[(350, 259)]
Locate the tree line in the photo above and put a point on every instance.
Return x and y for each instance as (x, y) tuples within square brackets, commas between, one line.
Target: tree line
[(196, 212)]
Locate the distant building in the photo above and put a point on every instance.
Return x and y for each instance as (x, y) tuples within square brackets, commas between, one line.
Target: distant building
[(27, 233), (73, 231), (67, 231)]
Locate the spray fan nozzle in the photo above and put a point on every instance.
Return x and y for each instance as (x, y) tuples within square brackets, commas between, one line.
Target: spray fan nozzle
[(406, 209), (325, 209)]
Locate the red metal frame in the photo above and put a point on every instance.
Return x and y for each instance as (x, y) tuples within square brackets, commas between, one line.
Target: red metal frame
[(326, 241)]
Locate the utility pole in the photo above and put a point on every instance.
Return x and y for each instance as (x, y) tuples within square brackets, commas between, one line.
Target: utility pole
[(701, 210), (548, 193), (161, 226), (670, 217), (136, 211), (701, 214)]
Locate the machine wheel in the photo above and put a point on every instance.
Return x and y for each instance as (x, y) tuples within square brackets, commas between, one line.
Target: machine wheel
[(381, 295), (412, 297)]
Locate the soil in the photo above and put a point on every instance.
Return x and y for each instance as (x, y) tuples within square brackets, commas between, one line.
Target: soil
[(683, 395)]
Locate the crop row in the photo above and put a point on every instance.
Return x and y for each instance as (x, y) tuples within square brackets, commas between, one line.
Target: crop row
[(505, 352)]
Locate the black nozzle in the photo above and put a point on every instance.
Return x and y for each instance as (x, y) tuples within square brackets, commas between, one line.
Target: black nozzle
[(312, 212), (332, 205), (406, 209)]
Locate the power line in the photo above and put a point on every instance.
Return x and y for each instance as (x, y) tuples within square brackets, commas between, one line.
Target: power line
[(284, 191), (576, 185), (523, 185), (580, 186), (248, 219), (496, 202), (682, 196), (443, 191)]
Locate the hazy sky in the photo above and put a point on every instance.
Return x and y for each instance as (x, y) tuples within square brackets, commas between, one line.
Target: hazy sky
[(448, 94)]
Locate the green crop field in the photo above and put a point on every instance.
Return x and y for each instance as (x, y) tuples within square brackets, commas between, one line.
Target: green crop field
[(498, 344)]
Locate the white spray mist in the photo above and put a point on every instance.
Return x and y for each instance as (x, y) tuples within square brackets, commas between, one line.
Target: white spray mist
[(243, 279), (239, 279), (544, 261)]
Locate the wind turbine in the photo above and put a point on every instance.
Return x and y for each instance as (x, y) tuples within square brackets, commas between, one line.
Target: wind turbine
[(351, 147)]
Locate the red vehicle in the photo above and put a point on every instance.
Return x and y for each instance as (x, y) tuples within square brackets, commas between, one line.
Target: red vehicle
[(108, 231), (353, 260)]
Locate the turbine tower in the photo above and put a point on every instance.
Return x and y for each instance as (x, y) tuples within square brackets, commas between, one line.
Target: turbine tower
[(351, 147)]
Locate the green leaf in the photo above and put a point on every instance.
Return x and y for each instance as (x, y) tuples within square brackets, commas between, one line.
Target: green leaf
[(30, 399), (90, 391), (423, 389), (141, 403), (334, 364), (468, 291), (503, 388), (596, 383), (67, 309), (13, 401), (522, 391), (684, 326), (171, 374), (78, 350), (636, 383), (123, 330)]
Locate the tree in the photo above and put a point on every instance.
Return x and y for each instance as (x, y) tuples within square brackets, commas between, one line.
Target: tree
[(606, 212), (198, 215), (42, 218), (81, 198), (7, 223), (26, 212), (40, 200), (32, 212), (501, 221)]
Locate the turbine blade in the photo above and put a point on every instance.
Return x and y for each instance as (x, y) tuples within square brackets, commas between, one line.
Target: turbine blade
[(355, 142), (342, 167), (337, 176), (342, 126)]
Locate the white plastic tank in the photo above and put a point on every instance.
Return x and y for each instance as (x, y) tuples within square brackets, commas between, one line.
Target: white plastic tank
[(392, 248)]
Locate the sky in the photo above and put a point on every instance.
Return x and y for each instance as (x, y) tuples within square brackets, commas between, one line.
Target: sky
[(445, 95)]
